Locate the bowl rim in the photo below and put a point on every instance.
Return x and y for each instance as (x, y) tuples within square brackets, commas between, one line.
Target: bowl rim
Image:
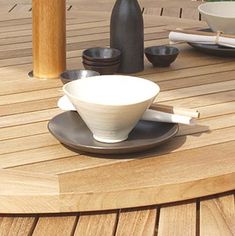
[(157, 91), (215, 3), (99, 58), (146, 50), (77, 70)]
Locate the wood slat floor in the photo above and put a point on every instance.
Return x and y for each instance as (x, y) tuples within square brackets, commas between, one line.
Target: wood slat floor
[(204, 217), (199, 81)]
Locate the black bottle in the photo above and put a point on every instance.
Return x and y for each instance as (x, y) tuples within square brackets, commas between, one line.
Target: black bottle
[(127, 35)]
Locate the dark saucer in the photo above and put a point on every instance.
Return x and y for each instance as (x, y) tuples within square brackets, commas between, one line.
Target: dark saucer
[(70, 130), (215, 50)]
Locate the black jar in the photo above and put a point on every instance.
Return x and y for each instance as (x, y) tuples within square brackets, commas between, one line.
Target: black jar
[(127, 35)]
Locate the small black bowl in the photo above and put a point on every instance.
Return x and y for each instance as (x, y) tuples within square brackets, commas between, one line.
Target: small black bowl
[(100, 63), (161, 55), (102, 54), (71, 75), (103, 70)]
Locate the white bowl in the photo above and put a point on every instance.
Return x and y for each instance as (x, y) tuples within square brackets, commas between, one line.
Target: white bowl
[(111, 105), (220, 16)]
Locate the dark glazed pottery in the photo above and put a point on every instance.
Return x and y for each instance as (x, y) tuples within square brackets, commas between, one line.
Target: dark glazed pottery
[(103, 70), (71, 75), (214, 49), (127, 35), (101, 54), (161, 55), (95, 63), (71, 130)]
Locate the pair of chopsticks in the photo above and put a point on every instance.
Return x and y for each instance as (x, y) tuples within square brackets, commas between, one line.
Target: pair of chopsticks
[(175, 110)]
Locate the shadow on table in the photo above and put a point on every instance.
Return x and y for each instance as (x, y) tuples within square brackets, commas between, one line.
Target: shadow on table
[(164, 148), (177, 143)]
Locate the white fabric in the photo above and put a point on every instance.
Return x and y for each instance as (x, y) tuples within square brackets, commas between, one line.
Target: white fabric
[(194, 38)]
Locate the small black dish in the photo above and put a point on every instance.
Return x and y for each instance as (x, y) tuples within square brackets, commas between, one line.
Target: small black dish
[(70, 129), (100, 63), (103, 70), (102, 54), (161, 55), (71, 75)]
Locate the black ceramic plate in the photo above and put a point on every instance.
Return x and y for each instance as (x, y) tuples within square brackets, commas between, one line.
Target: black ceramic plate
[(70, 130), (215, 50)]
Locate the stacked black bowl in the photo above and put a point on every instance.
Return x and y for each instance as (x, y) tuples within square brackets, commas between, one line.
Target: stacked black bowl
[(106, 61)]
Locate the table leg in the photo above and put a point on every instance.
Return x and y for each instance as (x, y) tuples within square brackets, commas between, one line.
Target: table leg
[(49, 38)]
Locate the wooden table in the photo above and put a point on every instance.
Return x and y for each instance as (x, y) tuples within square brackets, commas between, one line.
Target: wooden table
[(39, 175)]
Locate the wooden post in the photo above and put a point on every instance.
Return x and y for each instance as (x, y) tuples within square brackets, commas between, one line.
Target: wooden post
[(49, 38)]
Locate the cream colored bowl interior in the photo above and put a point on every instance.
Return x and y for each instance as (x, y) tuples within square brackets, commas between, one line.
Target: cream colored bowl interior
[(112, 90)]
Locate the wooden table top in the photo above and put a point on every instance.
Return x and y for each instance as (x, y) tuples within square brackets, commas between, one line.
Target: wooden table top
[(39, 175)]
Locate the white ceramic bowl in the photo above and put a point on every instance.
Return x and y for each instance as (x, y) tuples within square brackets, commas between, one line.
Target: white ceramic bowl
[(220, 16), (111, 105)]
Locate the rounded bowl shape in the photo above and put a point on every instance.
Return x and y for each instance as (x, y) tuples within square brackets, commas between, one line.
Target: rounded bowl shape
[(100, 63), (71, 75), (111, 105), (103, 70), (161, 55), (102, 54), (220, 16)]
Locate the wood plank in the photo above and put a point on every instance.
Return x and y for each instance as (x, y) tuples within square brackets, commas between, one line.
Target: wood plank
[(208, 124), (31, 96), (169, 3), (37, 150), (23, 130), (62, 163), (20, 183), (153, 11), (178, 220), (24, 118), (29, 142), (96, 224), (163, 96), (217, 216), (36, 155), (172, 12), (203, 100), (55, 225), (30, 106), (190, 72), (208, 137), (152, 172), (192, 81), (137, 222), (218, 109), (212, 123), (196, 91), (42, 140), (190, 13), (42, 104), (16, 225)]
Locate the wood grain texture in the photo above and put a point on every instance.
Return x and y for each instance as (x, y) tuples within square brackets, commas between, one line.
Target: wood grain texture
[(217, 216), (49, 44), (11, 226), (96, 224), (67, 181), (137, 222), (177, 220), (60, 225), (189, 71)]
